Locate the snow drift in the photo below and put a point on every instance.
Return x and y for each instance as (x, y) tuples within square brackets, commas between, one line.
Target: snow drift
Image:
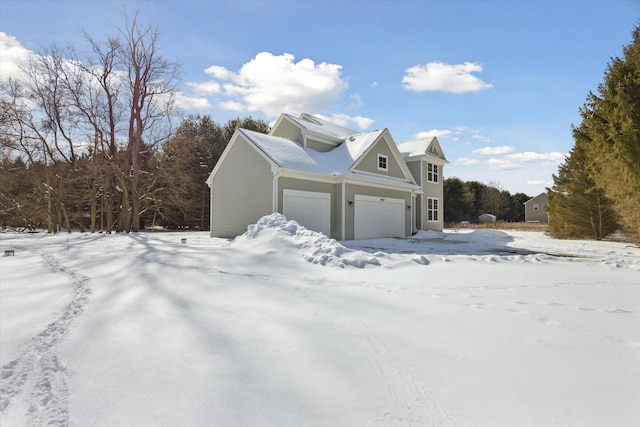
[(275, 230)]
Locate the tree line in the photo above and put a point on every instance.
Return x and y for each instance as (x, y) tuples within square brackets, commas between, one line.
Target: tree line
[(466, 201), (597, 189), (89, 140)]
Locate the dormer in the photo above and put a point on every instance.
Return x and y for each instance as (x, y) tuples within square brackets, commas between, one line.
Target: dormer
[(423, 149), (311, 132)]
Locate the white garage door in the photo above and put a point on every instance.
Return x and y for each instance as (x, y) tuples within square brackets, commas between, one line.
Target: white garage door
[(309, 208), (378, 217)]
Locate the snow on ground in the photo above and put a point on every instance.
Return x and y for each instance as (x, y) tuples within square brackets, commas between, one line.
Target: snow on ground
[(285, 327)]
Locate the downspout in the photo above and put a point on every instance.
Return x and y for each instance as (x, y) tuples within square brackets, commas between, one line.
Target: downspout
[(423, 206), (210, 184), (344, 209), (276, 175)]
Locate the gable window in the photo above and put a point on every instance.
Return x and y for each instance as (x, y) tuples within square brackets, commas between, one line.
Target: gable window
[(536, 206), (383, 162), (432, 172), (433, 209)]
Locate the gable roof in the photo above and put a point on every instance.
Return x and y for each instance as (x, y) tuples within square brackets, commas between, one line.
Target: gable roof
[(540, 196), (350, 147), (393, 148), (422, 147), (291, 155)]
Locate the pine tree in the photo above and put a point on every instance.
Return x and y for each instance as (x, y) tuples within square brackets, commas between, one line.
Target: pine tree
[(598, 187), (577, 207), (612, 121)]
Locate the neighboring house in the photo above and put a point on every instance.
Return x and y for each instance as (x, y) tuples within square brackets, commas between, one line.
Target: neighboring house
[(341, 182), (486, 219), (534, 209)]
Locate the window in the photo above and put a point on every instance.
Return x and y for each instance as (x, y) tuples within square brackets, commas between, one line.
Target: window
[(432, 172), (536, 206), (432, 209), (383, 162)]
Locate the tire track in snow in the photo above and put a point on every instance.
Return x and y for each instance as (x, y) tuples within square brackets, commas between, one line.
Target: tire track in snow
[(37, 374), (414, 404)]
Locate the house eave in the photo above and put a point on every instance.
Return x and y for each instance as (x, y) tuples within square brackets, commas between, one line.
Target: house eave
[(360, 178), (426, 156)]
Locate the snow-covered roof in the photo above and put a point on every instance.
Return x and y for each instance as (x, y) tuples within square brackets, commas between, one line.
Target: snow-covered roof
[(291, 155), (415, 147), (422, 146), (323, 127)]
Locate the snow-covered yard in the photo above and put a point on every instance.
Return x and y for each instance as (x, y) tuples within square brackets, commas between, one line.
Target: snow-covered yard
[(284, 327)]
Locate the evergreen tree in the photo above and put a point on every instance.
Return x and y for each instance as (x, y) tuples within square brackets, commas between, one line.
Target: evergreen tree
[(598, 187), (577, 207), (187, 160), (457, 201), (612, 122)]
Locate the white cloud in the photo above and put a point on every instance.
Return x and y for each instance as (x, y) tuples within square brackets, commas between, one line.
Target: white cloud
[(502, 164), (438, 76), (219, 72), (232, 106), (346, 120), (362, 122), (192, 103), (530, 156), (481, 138), (357, 101), (539, 182), (438, 133), (465, 161), (206, 88), (494, 151), (273, 84), (13, 56)]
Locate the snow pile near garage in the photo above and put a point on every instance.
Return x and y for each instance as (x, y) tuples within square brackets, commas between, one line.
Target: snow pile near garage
[(277, 235), (481, 236)]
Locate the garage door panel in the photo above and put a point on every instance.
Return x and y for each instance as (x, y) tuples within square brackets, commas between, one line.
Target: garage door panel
[(309, 209), (377, 217)]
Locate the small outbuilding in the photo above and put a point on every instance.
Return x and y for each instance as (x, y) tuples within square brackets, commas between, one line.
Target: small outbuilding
[(534, 209), (487, 219)]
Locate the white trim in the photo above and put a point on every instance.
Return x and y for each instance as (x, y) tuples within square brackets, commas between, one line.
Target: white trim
[(393, 148), (362, 178), (434, 166), (384, 157), (414, 218), (437, 209), (390, 186), (310, 176), (211, 209), (276, 177), (233, 141)]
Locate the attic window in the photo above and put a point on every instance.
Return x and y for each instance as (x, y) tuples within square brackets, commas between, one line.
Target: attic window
[(383, 162)]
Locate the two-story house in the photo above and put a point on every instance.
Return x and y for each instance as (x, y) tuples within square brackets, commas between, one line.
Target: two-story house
[(341, 182)]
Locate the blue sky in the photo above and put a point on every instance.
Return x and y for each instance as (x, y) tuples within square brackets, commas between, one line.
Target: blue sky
[(499, 82)]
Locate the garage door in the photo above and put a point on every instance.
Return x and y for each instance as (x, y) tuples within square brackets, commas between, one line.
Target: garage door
[(378, 217), (309, 208)]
